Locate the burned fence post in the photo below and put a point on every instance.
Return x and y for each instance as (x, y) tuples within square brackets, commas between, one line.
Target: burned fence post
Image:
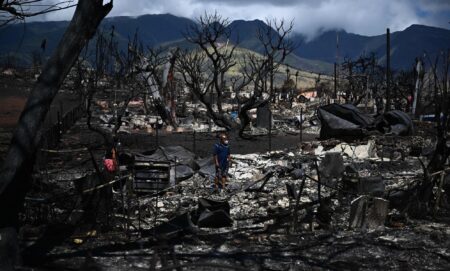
[(297, 203), (439, 192), (301, 125), (175, 170), (270, 130), (319, 183)]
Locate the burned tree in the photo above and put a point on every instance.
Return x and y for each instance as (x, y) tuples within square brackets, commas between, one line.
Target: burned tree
[(156, 76), (440, 70), (403, 86), (260, 71), (427, 192), (204, 69), (106, 57), (169, 85), (18, 165), (364, 80), (357, 77)]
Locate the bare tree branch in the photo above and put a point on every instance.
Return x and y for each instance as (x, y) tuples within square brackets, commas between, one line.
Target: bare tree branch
[(19, 10)]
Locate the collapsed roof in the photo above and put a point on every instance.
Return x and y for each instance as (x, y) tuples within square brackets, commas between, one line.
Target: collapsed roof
[(347, 121)]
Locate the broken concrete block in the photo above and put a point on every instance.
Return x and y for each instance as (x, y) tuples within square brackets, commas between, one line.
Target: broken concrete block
[(368, 212), (353, 151), (372, 185), (284, 202)]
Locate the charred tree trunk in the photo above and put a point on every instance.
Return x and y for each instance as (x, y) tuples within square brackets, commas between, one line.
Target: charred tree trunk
[(442, 112), (17, 168), (250, 104), (172, 89), (219, 119), (244, 118)]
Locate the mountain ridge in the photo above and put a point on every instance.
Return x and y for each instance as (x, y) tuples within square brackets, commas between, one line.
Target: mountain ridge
[(317, 54)]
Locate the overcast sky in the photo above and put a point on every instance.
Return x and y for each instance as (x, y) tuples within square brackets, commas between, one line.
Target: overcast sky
[(366, 17)]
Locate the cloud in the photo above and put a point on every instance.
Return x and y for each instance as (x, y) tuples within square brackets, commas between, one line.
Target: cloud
[(365, 17)]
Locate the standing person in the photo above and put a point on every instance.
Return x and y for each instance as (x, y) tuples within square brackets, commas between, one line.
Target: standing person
[(110, 161), (222, 158)]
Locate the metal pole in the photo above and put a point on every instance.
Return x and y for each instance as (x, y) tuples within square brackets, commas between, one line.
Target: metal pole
[(336, 64), (335, 81), (157, 134), (388, 70), (367, 94), (270, 111), (175, 171), (271, 79)]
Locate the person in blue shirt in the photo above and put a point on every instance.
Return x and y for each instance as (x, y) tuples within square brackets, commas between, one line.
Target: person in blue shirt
[(222, 160)]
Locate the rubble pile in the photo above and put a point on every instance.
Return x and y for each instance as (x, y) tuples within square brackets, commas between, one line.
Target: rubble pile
[(345, 202), (326, 205), (346, 120)]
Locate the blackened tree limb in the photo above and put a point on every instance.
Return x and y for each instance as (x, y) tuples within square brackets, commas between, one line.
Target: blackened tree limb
[(16, 10), (215, 55), (15, 172)]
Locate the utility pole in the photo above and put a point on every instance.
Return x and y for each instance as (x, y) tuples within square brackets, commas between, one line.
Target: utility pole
[(271, 79), (271, 93), (336, 63), (388, 70), (419, 72)]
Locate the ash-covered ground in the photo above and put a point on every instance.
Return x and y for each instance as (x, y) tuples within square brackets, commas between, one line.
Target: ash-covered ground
[(292, 202), (270, 229)]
